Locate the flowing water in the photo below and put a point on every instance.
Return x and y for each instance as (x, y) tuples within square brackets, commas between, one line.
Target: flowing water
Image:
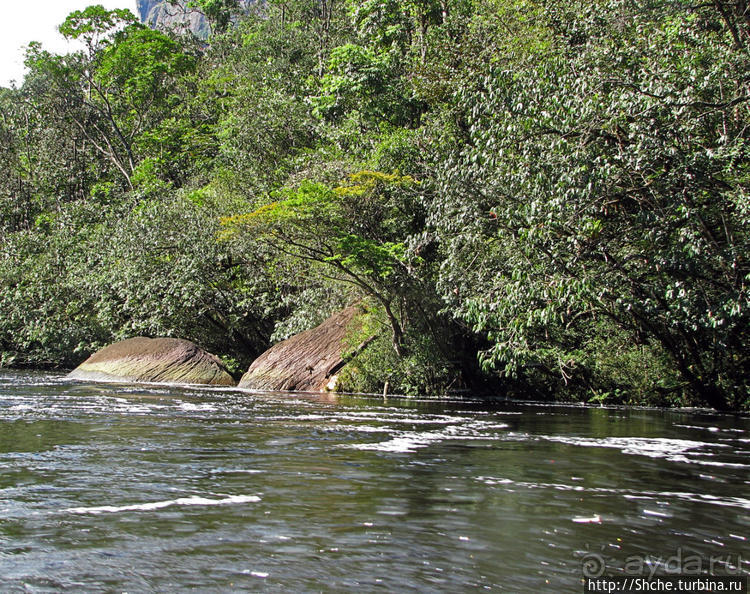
[(118, 488)]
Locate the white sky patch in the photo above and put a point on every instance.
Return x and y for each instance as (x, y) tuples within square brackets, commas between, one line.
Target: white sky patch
[(37, 20)]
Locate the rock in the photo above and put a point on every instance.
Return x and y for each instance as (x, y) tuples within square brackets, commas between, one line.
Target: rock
[(306, 362), (160, 360), (177, 16)]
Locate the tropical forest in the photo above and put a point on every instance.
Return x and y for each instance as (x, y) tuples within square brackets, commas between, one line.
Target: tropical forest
[(532, 199)]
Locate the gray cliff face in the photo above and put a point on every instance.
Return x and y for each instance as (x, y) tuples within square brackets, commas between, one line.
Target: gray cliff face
[(162, 14), (175, 15)]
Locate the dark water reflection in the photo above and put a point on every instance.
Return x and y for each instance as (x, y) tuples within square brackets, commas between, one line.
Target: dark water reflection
[(109, 488)]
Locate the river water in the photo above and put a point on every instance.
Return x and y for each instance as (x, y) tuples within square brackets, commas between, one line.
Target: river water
[(121, 488)]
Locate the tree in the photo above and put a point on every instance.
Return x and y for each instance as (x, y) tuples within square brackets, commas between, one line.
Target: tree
[(127, 85), (218, 12), (95, 26), (256, 77), (604, 182), (351, 233)]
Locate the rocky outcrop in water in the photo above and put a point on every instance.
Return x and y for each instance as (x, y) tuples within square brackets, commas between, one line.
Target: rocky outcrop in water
[(307, 362), (160, 360)]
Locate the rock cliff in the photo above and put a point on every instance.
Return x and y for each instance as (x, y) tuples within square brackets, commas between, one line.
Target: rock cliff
[(166, 14)]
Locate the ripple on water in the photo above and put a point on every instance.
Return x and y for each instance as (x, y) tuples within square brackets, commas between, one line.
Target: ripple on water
[(154, 505), (148, 488), (672, 450), (410, 441)]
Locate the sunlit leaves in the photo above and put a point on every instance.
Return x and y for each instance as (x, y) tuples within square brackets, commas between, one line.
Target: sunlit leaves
[(603, 178), (96, 25)]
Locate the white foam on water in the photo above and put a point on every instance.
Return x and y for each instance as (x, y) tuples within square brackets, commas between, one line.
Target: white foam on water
[(654, 447), (292, 418), (189, 406), (400, 417), (154, 505), (658, 514), (410, 441), (491, 480), (658, 496), (696, 498), (236, 471), (404, 444), (720, 464), (597, 519), (673, 450), (707, 428), (355, 429), (134, 409)]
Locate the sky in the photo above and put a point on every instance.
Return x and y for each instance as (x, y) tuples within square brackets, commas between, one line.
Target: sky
[(23, 21)]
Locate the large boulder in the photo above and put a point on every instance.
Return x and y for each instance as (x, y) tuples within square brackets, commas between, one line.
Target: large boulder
[(306, 362), (160, 360)]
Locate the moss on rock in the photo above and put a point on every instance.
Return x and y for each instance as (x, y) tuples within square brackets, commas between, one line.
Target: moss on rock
[(160, 360)]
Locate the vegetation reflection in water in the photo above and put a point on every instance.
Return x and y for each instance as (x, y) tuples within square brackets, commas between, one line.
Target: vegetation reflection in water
[(114, 487)]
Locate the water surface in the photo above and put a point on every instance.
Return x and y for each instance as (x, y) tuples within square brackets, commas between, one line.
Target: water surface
[(115, 488)]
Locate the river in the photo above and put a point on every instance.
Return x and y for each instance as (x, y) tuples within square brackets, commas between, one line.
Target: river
[(123, 488)]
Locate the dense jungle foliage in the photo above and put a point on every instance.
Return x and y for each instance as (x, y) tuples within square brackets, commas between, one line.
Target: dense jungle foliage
[(541, 198)]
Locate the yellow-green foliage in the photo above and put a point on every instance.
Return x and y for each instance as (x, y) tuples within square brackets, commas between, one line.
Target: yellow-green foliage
[(312, 202), (365, 182)]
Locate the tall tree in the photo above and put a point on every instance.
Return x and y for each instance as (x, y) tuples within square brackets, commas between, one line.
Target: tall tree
[(127, 84), (603, 181)]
